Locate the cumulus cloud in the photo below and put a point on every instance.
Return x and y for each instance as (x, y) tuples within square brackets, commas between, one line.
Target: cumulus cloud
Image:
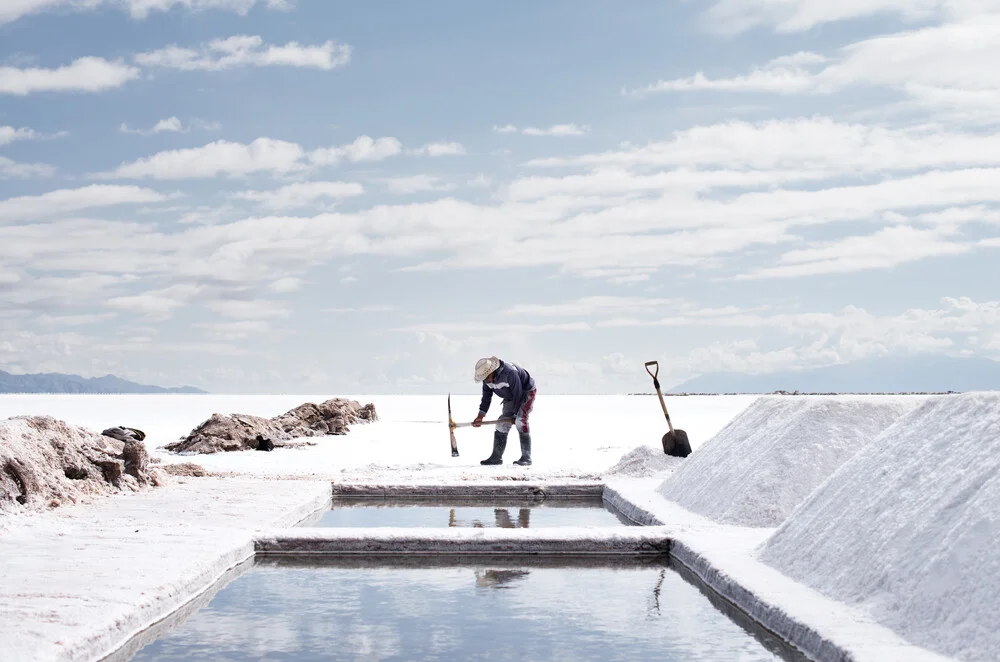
[(12, 169), (554, 130), (440, 149), (64, 201), (364, 148), (417, 184), (244, 51), (789, 74), (946, 68), (884, 249), (170, 124), (732, 16), (219, 158), (303, 194), (9, 134), (85, 74), (817, 144)]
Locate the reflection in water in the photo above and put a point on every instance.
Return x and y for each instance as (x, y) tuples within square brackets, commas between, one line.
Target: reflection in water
[(397, 613), (656, 596), (501, 519), (498, 578), (467, 514)]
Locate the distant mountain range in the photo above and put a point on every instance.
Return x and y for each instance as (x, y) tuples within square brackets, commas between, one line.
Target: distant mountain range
[(55, 382), (915, 374)]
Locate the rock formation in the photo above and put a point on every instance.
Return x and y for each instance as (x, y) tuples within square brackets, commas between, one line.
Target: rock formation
[(239, 432), (46, 462)]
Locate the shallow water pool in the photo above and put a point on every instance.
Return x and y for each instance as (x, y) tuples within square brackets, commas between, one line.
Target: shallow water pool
[(484, 514), (450, 609)]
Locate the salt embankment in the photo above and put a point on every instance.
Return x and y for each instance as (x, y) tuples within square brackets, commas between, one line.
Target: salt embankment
[(767, 460), (909, 529)]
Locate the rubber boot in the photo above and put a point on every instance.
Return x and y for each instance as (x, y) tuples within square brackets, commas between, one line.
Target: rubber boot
[(525, 460), (499, 444)]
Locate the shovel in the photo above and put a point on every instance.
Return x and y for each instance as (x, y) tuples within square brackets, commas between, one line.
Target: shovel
[(452, 425), (675, 442)]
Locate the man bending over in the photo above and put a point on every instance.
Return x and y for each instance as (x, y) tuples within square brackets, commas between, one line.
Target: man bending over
[(517, 389)]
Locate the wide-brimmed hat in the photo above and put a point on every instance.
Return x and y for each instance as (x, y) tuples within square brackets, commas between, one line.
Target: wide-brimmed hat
[(485, 366)]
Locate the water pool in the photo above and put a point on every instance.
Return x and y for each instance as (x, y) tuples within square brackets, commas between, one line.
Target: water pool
[(457, 609), (467, 513)]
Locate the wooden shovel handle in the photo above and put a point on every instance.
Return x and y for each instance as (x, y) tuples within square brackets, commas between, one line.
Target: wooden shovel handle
[(656, 383), (651, 373)]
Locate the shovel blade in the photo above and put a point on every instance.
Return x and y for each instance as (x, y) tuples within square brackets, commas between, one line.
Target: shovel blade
[(676, 443)]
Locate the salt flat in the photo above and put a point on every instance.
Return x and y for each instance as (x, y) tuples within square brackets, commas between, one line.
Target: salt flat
[(82, 577)]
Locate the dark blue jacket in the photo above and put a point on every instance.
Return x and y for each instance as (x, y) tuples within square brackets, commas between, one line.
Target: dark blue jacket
[(512, 383)]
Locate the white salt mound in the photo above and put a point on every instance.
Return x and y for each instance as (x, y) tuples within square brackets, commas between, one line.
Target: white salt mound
[(910, 529), (643, 462), (762, 465), (45, 462)]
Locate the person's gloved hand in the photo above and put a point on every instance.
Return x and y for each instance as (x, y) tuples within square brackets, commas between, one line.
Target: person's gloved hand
[(478, 422)]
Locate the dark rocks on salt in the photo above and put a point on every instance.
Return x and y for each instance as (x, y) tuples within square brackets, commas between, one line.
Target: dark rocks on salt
[(243, 432)]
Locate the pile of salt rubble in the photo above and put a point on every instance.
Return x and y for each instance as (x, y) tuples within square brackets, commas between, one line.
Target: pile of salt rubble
[(903, 523), (241, 432), (46, 462)]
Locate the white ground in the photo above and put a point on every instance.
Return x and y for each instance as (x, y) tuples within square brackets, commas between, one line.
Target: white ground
[(75, 579), (572, 436)]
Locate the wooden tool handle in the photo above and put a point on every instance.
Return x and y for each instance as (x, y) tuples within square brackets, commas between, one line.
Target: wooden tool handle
[(469, 425)]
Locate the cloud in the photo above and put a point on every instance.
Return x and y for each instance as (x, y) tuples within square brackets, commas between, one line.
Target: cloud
[(594, 306), (235, 330), (9, 134), (171, 124), (493, 328), (605, 182), (789, 74), (159, 304), (373, 308), (11, 169), (733, 16), (285, 285), (137, 9), (554, 130), (817, 144), (248, 309), (85, 74), (440, 149), (364, 148), (246, 50), (884, 249), (828, 337), (64, 201), (557, 130), (302, 194), (936, 68), (219, 158), (417, 184)]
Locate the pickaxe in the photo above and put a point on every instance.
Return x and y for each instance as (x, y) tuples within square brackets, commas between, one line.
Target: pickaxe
[(452, 425)]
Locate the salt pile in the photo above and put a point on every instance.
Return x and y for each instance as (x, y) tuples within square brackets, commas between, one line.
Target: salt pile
[(762, 465), (644, 462), (910, 528), (45, 462)]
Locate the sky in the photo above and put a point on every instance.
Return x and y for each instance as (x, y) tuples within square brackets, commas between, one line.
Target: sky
[(304, 196)]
